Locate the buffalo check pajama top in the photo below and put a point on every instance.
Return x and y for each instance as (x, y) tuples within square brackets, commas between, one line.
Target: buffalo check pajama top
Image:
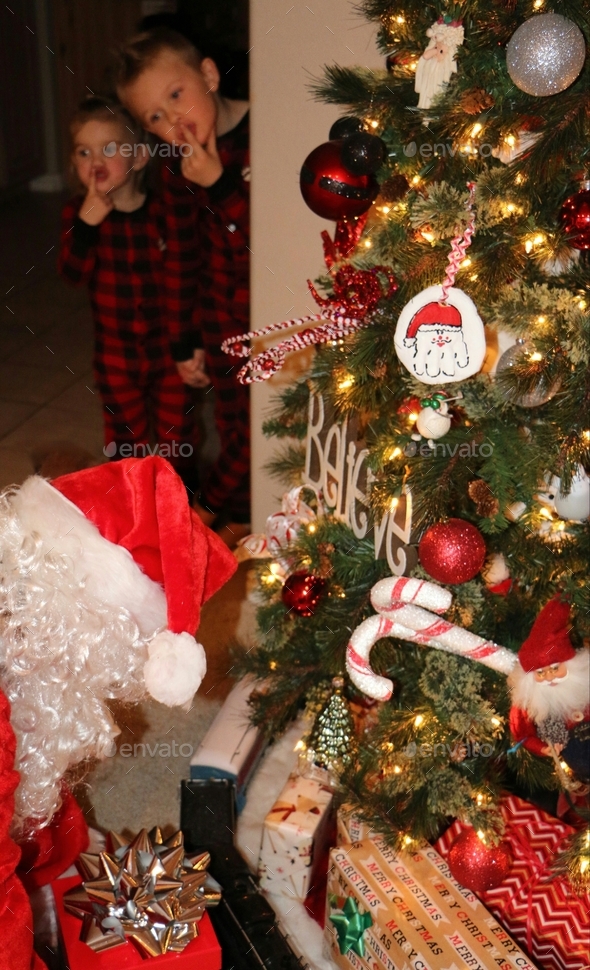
[(208, 299), (121, 260)]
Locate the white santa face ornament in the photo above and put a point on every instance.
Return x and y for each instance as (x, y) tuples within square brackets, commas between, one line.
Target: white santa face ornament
[(440, 342)]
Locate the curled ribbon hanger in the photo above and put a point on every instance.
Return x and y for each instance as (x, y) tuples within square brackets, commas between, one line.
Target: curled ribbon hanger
[(356, 293)]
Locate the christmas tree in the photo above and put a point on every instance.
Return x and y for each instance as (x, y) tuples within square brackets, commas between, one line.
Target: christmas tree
[(435, 463)]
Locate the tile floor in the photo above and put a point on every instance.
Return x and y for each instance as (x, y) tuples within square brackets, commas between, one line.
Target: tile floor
[(46, 391)]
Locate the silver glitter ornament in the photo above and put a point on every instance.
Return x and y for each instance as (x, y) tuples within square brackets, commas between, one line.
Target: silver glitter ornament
[(517, 354), (545, 55)]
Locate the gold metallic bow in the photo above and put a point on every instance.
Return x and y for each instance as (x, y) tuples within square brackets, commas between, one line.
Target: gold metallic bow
[(145, 890)]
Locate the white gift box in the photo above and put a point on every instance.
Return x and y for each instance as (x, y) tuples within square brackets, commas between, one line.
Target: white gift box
[(295, 838)]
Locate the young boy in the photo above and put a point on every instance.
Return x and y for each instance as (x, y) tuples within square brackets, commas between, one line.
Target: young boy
[(112, 240), (174, 93)]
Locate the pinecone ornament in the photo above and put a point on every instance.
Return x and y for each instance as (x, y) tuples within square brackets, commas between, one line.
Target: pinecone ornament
[(486, 503), (394, 188), (477, 100)]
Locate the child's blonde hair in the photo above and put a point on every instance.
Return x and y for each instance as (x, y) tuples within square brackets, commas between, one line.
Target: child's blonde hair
[(138, 53), (107, 108)]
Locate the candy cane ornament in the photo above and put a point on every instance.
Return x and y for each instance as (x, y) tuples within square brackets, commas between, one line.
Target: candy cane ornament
[(398, 616)]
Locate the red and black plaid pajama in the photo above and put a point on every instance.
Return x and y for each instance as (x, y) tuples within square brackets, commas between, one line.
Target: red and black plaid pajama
[(144, 401), (208, 299)]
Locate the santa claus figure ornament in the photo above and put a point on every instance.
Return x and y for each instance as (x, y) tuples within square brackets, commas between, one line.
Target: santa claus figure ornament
[(440, 340), (102, 576), (550, 686)]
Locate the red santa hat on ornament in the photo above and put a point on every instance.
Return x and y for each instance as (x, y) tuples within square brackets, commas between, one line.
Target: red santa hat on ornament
[(434, 316), (136, 544), (548, 642)]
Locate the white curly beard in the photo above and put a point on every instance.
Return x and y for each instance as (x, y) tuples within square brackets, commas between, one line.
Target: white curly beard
[(561, 699), (62, 655)]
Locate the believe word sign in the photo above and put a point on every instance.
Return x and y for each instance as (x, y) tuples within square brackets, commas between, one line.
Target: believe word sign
[(336, 464)]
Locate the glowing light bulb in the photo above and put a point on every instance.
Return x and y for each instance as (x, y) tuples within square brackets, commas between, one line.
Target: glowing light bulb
[(346, 382), (496, 721), (586, 435), (393, 504), (538, 4), (481, 835), (385, 209), (473, 277), (408, 840), (412, 417), (428, 236), (582, 304), (397, 770), (539, 238), (466, 262), (300, 746), (368, 243), (400, 20), (418, 720), (528, 246), (311, 528), (511, 207), (416, 180), (510, 140), (536, 356), (374, 124), (273, 665), (541, 319), (395, 453), (476, 129)]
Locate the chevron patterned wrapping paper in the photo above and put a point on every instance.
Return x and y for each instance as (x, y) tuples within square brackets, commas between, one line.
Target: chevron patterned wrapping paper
[(542, 913)]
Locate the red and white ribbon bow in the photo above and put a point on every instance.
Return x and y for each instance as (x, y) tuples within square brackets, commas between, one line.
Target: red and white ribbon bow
[(356, 293)]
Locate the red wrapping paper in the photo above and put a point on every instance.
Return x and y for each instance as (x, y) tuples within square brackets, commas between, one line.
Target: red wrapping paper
[(204, 952), (539, 911)]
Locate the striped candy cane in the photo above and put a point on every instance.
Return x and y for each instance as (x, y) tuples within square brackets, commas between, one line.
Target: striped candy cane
[(402, 619)]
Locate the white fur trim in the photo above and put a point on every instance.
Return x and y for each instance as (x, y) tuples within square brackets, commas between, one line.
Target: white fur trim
[(110, 572), (175, 668)]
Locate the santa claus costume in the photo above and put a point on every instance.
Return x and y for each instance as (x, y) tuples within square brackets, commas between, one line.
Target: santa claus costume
[(102, 576), (551, 691)]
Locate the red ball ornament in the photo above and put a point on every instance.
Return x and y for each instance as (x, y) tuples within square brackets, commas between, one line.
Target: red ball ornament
[(574, 216), (302, 592), (330, 189), (478, 866), (453, 551)]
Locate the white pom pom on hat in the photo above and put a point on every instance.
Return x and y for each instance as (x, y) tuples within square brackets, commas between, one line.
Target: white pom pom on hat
[(174, 669), (139, 546)]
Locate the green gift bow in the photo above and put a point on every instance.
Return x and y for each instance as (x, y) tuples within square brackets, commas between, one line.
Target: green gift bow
[(350, 926)]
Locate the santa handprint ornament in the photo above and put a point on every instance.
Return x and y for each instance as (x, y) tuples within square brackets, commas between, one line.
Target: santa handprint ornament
[(440, 340)]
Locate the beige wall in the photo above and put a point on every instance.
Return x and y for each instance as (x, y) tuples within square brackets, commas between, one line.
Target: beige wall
[(290, 43)]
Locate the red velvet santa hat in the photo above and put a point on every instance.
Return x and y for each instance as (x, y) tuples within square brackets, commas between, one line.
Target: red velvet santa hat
[(137, 545), (548, 642), (441, 315)]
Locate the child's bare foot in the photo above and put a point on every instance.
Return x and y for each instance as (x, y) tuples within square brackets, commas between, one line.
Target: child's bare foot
[(206, 516), (232, 532)]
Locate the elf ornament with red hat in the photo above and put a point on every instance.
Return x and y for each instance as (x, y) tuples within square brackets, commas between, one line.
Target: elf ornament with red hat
[(102, 577), (551, 692)]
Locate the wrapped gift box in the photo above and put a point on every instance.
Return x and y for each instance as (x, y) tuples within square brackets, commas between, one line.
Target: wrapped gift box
[(406, 911), (539, 910), (232, 746), (296, 837), (204, 952), (350, 828)]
